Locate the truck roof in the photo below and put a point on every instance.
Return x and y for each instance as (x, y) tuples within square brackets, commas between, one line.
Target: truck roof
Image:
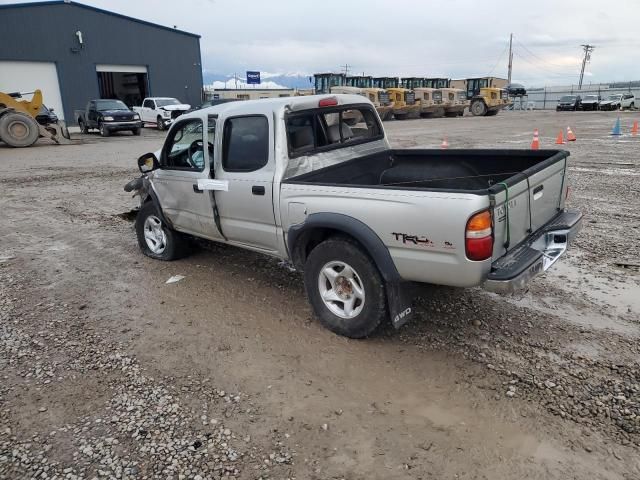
[(272, 105)]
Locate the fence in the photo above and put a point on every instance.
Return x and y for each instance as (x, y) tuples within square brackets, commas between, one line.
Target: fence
[(546, 98)]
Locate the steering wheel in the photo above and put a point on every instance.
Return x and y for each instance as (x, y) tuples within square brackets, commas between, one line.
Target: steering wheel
[(197, 146)]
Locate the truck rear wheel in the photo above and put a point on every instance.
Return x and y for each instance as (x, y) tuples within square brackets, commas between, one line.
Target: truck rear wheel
[(478, 108), (18, 129), (344, 288), (155, 238)]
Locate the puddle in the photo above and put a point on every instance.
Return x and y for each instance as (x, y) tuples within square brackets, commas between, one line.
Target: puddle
[(590, 300)]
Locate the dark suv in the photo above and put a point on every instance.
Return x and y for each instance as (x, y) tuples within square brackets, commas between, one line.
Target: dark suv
[(569, 102)]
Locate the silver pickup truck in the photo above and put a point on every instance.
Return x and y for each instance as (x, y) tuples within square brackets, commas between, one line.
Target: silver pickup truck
[(289, 178)]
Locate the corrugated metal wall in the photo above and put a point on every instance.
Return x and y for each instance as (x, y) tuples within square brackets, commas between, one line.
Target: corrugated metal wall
[(47, 32)]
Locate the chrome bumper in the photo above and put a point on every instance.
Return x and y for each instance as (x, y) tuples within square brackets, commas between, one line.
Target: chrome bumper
[(518, 267), (123, 125)]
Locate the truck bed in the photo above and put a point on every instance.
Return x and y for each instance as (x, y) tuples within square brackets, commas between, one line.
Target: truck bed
[(468, 171), (525, 189)]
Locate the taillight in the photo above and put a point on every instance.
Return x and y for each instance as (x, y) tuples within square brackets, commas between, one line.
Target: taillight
[(479, 237), (328, 102)]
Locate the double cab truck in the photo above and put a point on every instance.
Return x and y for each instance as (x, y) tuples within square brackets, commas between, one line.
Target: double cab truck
[(289, 178), (161, 111), (108, 116)]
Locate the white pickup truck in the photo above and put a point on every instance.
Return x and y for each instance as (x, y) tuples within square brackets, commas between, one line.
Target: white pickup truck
[(161, 111), (289, 178)]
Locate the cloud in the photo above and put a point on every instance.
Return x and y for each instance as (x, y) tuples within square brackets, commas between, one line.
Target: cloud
[(452, 38)]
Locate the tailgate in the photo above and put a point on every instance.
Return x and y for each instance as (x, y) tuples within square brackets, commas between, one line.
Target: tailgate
[(525, 202)]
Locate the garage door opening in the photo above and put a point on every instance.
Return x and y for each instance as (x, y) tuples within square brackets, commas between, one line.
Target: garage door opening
[(123, 82)]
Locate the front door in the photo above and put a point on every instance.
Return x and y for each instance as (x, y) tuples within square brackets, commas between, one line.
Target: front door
[(248, 165), (185, 160)]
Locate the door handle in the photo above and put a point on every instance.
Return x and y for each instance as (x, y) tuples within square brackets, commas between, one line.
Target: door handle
[(257, 190), (196, 189)]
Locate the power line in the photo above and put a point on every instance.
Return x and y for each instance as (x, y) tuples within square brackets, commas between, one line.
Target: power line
[(542, 60), (548, 72), (498, 61)]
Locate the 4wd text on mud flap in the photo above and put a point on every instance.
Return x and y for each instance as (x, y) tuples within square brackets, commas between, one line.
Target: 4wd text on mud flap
[(401, 315)]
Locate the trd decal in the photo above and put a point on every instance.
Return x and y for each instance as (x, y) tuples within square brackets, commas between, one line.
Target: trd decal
[(413, 239), (420, 241)]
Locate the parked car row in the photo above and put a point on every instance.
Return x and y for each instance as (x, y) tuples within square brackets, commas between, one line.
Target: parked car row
[(616, 101), (108, 116)]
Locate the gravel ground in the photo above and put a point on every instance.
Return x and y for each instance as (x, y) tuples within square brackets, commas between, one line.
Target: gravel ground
[(108, 372)]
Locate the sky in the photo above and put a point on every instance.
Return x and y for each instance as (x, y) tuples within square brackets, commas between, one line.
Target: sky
[(432, 38)]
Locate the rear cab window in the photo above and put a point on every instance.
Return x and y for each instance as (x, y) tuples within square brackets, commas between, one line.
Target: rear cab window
[(245, 143), (324, 129)]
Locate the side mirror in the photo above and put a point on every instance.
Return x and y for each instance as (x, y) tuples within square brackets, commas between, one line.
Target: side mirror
[(148, 163)]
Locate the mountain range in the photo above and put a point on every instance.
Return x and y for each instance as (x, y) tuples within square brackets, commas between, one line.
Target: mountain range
[(268, 80)]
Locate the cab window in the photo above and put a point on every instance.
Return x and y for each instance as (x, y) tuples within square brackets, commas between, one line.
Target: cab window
[(246, 144), (184, 149)]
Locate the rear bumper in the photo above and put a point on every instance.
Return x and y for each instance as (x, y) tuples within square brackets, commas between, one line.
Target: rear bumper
[(516, 269)]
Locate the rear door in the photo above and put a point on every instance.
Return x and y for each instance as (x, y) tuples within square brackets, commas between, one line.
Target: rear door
[(148, 111), (528, 202), (248, 164)]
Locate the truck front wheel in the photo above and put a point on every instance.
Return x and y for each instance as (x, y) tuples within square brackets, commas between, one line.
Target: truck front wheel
[(344, 288), (159, 123), (155, 238), (104, 130)]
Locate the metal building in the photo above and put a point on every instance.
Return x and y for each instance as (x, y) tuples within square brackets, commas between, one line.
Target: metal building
[(74, 52)]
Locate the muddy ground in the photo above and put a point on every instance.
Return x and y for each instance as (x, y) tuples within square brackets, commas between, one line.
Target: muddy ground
[(108, 372)]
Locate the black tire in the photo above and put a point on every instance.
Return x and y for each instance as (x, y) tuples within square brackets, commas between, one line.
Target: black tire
[(18, 129), (137, 131), (492, 113), (373, 309), (400, 116), (159, 123), (83, 126), (176, 246), (478, 108), (104, 131)]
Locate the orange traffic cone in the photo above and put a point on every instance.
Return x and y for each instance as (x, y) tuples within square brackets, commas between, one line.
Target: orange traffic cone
[(444, 144), (570, 136), (560, 139), (535, 144), (634, 129)]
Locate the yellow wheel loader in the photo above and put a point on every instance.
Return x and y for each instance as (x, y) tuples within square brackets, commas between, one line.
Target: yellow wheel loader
[(19, 126), (455, 101), (486, 95), (404, 103)]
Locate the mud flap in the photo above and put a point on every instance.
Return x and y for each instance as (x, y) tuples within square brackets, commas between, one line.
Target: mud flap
[(399, 299)]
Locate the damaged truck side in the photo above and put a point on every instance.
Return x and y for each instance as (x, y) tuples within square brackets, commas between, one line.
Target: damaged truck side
[(289, 178)]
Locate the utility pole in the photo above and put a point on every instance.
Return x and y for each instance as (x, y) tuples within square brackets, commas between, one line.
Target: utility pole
[(510, 58), (587, 57), (346, 67)]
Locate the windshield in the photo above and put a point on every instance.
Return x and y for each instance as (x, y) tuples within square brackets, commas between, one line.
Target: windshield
[(102, 105), (163, 102), (591, 97), (568, 98), (615, 97)]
